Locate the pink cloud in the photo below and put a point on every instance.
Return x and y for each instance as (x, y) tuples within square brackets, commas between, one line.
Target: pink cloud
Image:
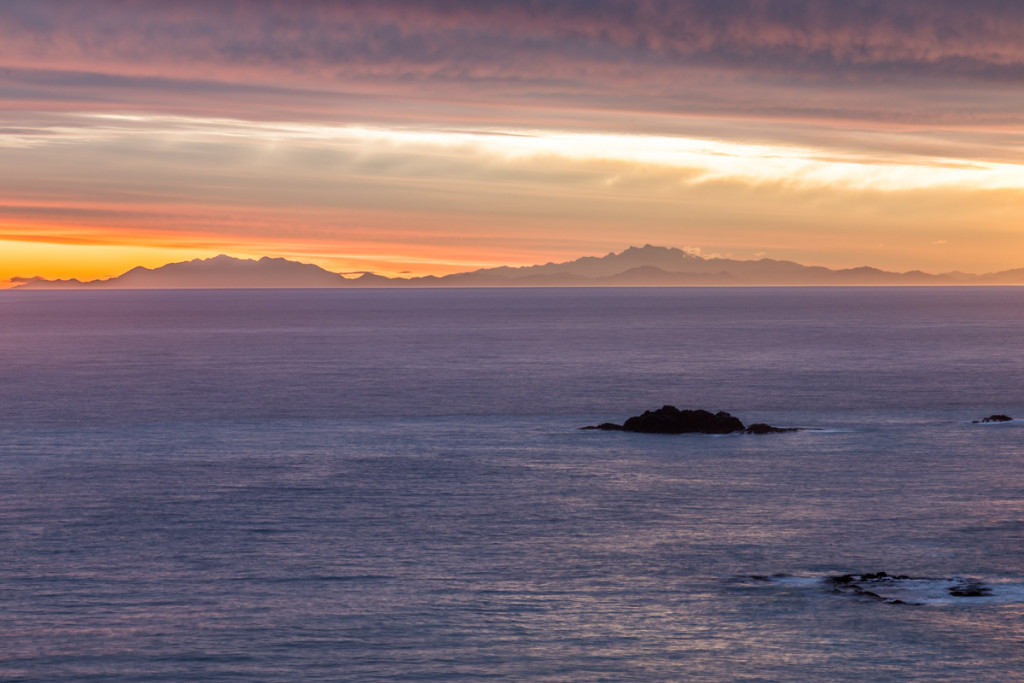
[(750, 58)]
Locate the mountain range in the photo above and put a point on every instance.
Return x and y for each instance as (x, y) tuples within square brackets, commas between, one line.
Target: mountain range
[(645, 266)]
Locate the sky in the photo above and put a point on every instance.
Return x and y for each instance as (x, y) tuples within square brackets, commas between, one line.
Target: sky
[(439, 136)]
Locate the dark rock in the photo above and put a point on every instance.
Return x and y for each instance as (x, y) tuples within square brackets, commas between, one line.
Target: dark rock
[(970, 589), (859, 585), (874, 586), (995, 418), (762, 428), (900, 589), (606, 426), (671, 420), (844, 579), (867, 594)]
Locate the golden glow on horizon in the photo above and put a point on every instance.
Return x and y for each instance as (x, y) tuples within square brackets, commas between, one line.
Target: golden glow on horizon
[(82, 261), (90, 260), (412, 202)]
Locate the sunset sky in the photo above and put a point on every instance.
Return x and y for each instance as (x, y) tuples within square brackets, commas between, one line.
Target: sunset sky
[(441, 136)]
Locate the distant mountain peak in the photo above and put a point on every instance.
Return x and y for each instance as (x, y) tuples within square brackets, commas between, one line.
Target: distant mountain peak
[(652, 249)]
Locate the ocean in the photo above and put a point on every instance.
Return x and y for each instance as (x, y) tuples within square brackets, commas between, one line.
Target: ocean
[(392, 485)]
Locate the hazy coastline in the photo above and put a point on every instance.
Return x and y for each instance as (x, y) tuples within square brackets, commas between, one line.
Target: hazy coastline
[(647, 266)]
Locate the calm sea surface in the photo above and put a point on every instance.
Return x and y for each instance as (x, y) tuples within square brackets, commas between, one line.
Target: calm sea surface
[(391, 485)]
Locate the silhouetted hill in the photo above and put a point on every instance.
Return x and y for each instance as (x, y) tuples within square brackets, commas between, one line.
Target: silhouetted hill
[(1005, 277), (665, 266), (647, 266), (219, 272), (650, 266)]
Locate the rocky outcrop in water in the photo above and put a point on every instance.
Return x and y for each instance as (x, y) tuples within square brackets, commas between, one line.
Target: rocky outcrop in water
[(896, 589), (671, 420), (881, 586), (994, 418), (864, 585), (762, 428), (970, 588)]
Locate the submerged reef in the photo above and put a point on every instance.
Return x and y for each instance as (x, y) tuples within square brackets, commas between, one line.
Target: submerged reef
[(885, 587), (671, 420), (896, 589)]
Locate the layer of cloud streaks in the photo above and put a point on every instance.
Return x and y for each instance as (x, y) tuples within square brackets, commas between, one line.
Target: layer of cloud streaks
[(687, 56)]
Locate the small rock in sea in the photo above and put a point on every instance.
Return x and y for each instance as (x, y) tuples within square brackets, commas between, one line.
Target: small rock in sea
[(899, 589), (762, 428), (844, 579), (671, 420), (867, 594), (970, 589), (995, 418)]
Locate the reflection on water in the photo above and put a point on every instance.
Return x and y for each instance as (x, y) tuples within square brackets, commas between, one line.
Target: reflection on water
[(393, 486)]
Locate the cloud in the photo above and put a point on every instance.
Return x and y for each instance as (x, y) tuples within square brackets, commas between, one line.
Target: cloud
[(450, 60), (817, 35), (174, 181), (580, 125)]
